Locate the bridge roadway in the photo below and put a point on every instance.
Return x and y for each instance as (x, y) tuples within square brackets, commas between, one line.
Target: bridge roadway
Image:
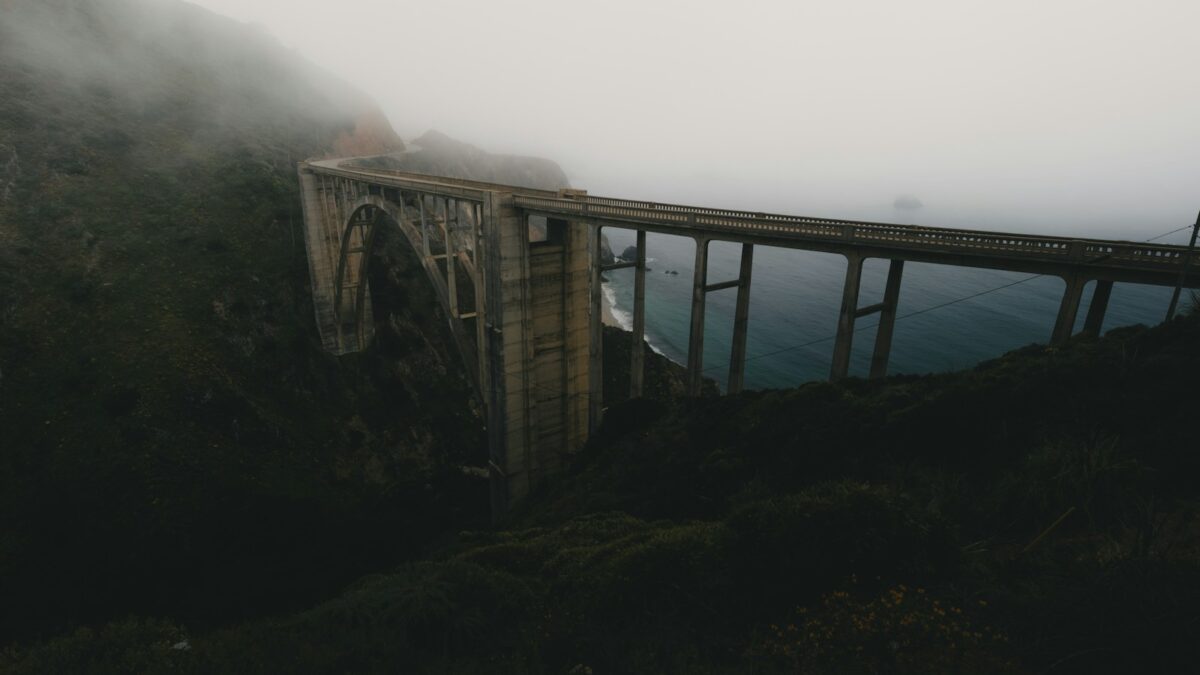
[(511, 291)]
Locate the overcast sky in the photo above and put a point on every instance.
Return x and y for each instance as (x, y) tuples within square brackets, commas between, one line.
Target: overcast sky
[(1080, 113)]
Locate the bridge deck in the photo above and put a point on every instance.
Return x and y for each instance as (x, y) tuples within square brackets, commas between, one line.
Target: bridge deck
[(1113, 260)]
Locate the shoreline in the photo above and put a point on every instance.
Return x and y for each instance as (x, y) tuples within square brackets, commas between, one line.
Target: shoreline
[(606, 312), (611, 315)]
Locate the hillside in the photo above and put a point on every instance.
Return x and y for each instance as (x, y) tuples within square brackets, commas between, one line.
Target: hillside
[(1035, 514), (174, 441)]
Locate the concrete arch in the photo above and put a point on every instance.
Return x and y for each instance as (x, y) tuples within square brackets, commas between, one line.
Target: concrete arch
[(412, 235)]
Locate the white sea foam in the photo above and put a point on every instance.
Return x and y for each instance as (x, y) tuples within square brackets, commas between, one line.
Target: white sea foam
[(624, 318)]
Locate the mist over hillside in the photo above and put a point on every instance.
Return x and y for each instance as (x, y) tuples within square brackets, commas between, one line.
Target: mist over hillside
[(174, 440)]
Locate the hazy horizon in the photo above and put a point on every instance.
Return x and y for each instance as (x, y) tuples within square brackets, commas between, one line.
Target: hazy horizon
[(1080, 116)]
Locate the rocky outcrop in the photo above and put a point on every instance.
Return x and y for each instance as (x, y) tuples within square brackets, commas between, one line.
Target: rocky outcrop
[(372, 135)]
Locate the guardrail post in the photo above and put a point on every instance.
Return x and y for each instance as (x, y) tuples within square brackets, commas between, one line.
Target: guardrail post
[(695, 364), (887, 320), (845, 329), (741, 320)]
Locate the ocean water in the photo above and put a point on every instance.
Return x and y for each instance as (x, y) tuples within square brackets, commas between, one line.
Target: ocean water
[(795, 296)]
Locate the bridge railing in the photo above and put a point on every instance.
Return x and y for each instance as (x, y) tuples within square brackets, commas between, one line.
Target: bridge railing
[(441, 180), (915, 237), (1062, 249)]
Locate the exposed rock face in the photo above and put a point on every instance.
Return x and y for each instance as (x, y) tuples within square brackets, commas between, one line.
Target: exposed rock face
[(372, 135), (629, 254)]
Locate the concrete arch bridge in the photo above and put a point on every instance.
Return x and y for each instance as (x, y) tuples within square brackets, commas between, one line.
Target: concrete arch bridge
[(525, 312)]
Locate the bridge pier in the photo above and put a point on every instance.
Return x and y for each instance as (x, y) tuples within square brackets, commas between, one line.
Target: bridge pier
[(637, 353), (1064, 325), (741, 322), (595, 331), (544, 388), (846, 316), (887, 320), (1096, 310), (695, 364), (850, 312)]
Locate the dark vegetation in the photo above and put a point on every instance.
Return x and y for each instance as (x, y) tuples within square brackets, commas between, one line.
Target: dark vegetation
[(1034, 514), (662, 379), (188, 484)]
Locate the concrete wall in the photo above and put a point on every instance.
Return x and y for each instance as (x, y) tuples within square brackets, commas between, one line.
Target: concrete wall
[(326, 206), (536, 337), (539, 296)]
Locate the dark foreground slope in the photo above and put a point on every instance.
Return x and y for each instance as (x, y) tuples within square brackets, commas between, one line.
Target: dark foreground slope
[(172, 439), (1035, 514)]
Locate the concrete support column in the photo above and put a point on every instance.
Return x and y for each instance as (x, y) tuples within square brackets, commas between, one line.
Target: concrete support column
[(596, 329), (637, 354), (482, 351), (451, 265), (695, 364), (321, 244), (849, 311), (741, 321), (1065, 324), (577, 331), (1095, 316), (424, 226), (887, 320), (511, 415)]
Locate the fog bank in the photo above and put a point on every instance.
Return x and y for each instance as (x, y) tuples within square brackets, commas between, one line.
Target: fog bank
[(1022, 115)]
